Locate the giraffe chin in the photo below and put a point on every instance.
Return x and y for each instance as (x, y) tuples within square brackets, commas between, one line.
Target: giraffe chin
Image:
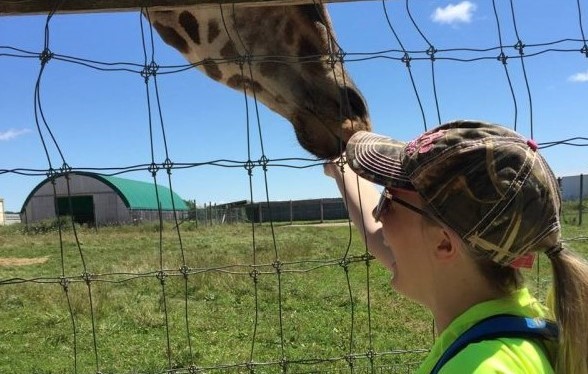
[(327, 140)]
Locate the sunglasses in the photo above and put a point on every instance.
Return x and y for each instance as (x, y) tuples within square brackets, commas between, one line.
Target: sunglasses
[(385, 202)]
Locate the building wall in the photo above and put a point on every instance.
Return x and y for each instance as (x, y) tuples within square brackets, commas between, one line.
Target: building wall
[(2, 222), (570, 187), (108, 206)]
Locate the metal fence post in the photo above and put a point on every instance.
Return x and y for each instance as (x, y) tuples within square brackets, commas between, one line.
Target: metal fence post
[(291, 215), (580, 207)]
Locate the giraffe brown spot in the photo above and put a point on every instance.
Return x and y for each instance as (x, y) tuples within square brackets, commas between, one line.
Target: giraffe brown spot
[(171, 37), (229, 50), (190, 25), (213, 30), (239, 82), (307, 48), (212, 69)]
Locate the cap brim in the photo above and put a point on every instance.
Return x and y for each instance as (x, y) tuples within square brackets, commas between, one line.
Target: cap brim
[(378, 158)]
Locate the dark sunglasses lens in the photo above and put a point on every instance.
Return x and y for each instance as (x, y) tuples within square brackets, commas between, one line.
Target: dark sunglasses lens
[(381, 207)]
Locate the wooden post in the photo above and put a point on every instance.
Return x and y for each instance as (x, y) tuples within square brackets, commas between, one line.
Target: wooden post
[(291, 215), (322, 212)]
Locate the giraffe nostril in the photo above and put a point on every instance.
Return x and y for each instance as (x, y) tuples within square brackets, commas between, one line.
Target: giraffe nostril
[(353, 103)]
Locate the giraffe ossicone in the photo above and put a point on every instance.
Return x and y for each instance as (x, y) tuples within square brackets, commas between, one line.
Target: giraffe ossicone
[(287, 57)]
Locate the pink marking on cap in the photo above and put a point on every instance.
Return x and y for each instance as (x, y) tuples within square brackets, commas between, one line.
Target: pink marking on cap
[(532, 144)]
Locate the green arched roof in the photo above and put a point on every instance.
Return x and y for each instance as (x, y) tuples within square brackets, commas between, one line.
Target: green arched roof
[(142, 195), (135, 194)]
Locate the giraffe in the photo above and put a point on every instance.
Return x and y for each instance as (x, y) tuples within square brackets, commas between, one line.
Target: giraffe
[(285, 56)]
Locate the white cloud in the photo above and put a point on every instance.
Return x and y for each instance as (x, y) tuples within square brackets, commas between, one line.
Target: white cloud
[(11, 134), (579, 77), (455, 13)]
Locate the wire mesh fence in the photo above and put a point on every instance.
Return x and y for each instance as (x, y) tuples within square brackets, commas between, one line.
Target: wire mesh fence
[(177, 318)]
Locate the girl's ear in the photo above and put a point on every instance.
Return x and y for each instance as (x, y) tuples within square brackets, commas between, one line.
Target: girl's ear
[(447, 245)]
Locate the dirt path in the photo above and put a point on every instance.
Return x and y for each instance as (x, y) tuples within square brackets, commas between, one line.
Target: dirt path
[(15, 261)]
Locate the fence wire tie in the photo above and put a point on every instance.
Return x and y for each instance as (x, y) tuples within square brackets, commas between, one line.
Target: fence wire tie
[(250, 367), (64, 282), (149, 70), (168, 165), (367, 257), (584, 50), (350, 359), (161, 275), (51, 174), (65, 168), (45, 56), (184, 270), (519, 47), (153, 169), (406, 59), (244, 59), (263, 161), (431, 52), (502, 58), (344, 263), (193, 369), (278, 266), (249, 165), (284, 365), (336, 57), (254, 274), (370, 354), (87, 277)]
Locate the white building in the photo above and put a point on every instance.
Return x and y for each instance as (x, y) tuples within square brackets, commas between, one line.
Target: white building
[(2, 219)]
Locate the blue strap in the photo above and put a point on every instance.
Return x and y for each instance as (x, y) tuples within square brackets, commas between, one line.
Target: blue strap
[(500, 326)]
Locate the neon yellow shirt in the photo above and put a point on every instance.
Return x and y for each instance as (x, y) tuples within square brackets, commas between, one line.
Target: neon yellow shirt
[(503, 355)]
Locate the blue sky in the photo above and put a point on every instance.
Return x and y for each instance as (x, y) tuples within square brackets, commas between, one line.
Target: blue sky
[(100, 120)]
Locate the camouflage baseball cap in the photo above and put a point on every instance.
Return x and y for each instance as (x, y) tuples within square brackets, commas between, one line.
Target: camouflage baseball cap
[(484, 181)]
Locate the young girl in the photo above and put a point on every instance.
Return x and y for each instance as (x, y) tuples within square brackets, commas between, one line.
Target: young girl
[(464, 206)]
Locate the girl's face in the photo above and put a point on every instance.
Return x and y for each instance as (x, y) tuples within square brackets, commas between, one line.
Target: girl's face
[(410, 247)]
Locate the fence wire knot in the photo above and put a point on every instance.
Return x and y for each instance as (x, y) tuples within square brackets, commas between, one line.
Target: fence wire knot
[(168, 165), (45, 56), (370, 354), (65, 169), (254, 274), (350, 360), (584, 50), (406, 59), (336, 57), (51, 174), (250, 367), (244, 59), (431, 52), (263, 161), (153, 169), (278, 266), (149, 70), (367, 257), (193, 369), (519, 47), (87, 277), (502, 58), (64, 282), (184, 269), (161, 275), (249, 165), (344, 263)]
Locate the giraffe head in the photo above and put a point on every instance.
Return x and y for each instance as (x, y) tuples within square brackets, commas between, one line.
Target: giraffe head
[(284, 56)]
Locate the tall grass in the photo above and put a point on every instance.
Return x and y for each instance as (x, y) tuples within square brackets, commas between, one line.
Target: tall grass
[(324, 310)]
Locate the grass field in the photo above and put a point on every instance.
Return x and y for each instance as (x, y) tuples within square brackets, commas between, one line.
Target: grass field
[(296, 298)]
